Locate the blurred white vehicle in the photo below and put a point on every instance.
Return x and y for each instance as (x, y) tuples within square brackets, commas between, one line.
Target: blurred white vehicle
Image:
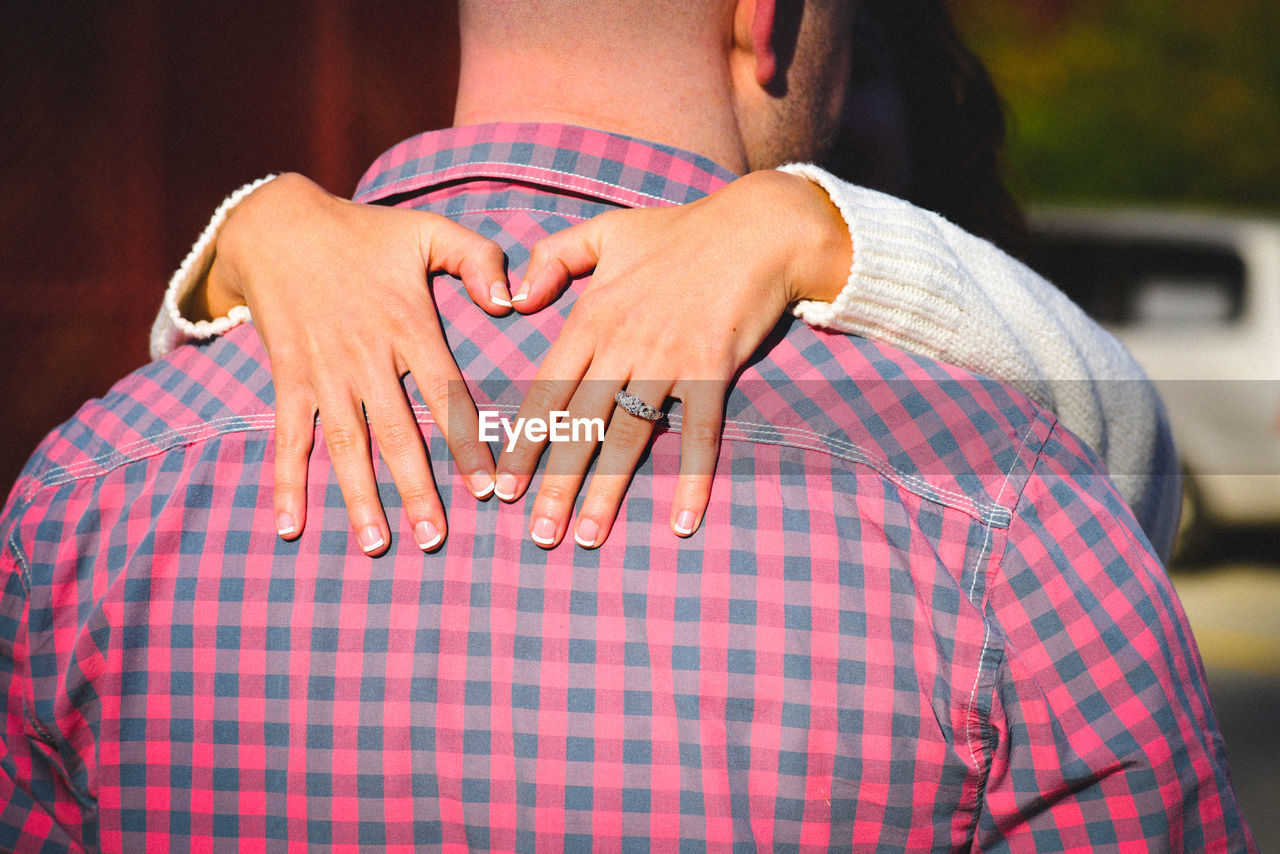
[(1196, 298)]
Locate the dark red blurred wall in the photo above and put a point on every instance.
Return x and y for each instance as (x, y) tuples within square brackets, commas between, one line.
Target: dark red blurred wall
[(124, 122)]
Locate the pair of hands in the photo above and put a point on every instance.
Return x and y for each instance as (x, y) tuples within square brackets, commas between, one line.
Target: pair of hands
[(680, 298)]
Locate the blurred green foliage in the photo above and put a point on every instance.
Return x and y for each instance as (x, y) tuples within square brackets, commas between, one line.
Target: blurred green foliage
[(1159, 101)]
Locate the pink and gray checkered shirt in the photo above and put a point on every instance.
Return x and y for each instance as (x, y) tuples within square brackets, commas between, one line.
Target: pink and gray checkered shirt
[(917, 615)]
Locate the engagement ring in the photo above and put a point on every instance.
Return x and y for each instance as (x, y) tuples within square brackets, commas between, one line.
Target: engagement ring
[(636, 406)]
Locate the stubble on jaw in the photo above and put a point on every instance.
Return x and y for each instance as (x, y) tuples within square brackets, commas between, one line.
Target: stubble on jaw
[(803, 120)]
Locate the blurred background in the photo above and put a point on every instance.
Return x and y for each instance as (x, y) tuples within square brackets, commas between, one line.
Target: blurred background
[(1172, 108), (126, 123)]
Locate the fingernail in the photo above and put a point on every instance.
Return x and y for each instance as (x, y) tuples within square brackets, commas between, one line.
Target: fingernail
[(481, 484), (586, 533), (427, 535), (498, 294), (686, 522), (522, 293), (285, 525), (506, 487), (544, 531), (371, 539)]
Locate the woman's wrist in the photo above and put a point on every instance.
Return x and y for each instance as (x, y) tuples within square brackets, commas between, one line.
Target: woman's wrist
[(207, 292), (174, 325), (219, 294), (221, 290), (811, 227), (255, 219)]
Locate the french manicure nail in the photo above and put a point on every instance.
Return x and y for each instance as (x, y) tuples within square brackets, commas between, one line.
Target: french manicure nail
[(481, 483), (522, 293), (686, 522), (427, 535), (498, 294), (586, 533), (371, 539), (506, 487), (285, 526), (544, 531)]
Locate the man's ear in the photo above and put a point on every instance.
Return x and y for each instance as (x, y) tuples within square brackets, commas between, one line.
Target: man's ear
[(768, 30), (762, 41)]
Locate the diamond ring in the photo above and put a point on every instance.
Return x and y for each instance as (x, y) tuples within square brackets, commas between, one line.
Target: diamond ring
[(636, 406)]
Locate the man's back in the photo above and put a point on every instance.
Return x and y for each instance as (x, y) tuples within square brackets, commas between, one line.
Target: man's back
[(916, 613)]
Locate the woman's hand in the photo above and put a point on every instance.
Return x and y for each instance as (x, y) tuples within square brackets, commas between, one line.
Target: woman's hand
[(339, 293), (680, 299)]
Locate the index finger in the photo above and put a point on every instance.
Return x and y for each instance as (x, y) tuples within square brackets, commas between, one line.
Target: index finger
[(557, 259), (447, 398), (553, 387)]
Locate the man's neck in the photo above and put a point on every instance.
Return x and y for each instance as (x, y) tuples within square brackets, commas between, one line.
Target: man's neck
[(672, 104)]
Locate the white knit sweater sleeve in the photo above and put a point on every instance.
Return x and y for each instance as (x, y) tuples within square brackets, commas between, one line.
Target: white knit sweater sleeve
[(920, 283), (170, 329)]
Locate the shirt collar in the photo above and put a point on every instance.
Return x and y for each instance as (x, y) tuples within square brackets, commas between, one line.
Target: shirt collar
[(597, 164)]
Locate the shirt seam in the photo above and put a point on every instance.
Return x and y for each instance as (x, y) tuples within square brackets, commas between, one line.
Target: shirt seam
[(161, 442), (480, 170), (544, 211), (978, 572), (22, 670), (978, 737), (991, 514), (38, 730), (19, 559)]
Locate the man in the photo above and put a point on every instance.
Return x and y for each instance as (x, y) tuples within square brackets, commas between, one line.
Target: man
[(916, 614)]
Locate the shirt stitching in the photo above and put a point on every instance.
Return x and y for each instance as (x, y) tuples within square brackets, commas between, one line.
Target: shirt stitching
[(15, 549), (973, 586), (38, 729), (163, 441), (991, 514), (994, 513), (543, 211), (591, 186)]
